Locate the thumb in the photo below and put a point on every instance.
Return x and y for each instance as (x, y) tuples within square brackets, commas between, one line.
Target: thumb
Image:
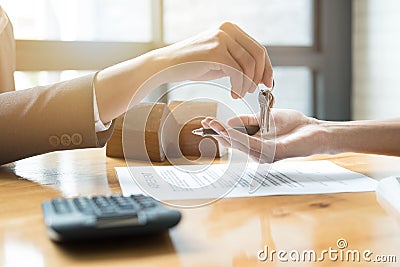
[(243, 120)]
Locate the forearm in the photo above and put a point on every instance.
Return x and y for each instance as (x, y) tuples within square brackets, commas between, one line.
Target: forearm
[(123, 84), (225, 51), (374, 137)]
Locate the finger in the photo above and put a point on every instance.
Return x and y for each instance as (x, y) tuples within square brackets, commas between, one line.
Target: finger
[(245, 149), (235, 72), (223, 141), (253, 87), (206, 122), (245, 143), (246, 140), (246, 119), (247, 63), (220, 139), (258, 52), (234, 136), (228, 64), (218, 127), (243, 120), (268, 75), (267, 156), (231, 135)]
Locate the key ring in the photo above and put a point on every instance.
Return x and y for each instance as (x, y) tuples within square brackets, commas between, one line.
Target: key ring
[(268, 94), (272, 88), (273, 85)]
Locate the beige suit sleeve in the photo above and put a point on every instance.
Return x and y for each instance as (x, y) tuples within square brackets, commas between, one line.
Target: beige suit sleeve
[(48, 118), (7, 54)]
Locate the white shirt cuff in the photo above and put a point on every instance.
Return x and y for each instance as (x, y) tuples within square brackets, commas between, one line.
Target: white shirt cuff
[(99, 126)]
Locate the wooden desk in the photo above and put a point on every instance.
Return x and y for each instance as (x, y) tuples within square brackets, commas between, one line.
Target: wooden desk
[(229, 232)]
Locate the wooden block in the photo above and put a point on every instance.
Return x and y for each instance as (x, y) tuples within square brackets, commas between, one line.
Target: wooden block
[(188, 116), (114, 145), (152, 131), (140, 139)]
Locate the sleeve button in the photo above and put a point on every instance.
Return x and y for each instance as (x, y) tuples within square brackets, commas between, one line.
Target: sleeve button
[(54, 141), (65, 140), (76, 139)]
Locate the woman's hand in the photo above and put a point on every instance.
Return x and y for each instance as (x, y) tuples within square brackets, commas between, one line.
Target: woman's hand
[(292, 134), (224, 51)]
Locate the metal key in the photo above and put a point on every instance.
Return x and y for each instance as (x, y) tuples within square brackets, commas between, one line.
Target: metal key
[(266, 101)]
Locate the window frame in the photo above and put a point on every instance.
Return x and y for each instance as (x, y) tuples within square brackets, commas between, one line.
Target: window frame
[(329, 58)]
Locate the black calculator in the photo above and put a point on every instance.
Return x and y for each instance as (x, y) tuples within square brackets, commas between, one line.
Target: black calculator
[(106, 216)]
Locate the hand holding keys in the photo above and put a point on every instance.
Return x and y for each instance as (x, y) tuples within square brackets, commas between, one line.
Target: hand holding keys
[(266, 101)]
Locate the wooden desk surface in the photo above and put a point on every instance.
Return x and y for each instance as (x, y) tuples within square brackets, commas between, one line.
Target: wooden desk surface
[(229, 232)]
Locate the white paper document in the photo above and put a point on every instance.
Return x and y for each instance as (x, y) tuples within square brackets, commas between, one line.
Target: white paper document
[(224, 180), (388, 194)]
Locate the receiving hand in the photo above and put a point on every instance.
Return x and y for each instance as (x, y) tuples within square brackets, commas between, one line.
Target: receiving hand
[(293, 135)]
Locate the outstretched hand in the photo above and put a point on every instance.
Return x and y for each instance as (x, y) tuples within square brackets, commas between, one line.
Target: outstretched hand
[(223, 51), (292, 134)]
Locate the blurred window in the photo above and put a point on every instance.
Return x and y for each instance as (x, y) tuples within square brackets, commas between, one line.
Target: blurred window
[(289, 28)]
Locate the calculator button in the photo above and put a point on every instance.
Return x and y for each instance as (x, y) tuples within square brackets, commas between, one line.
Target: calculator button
[(122, 203), (100, 201), (126, 206), (104, 206), (144, 201), (147, 204), (83, 205), (138, 197), (61, 206)]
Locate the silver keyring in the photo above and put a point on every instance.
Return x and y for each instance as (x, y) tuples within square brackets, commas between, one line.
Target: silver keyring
[(273, 85)]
